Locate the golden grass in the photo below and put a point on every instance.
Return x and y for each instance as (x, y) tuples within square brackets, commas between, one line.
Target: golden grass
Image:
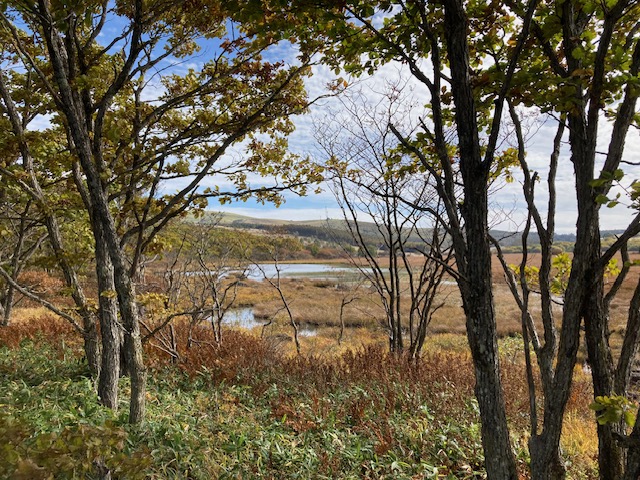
[(312, 302), (23, 315), (579, 438)]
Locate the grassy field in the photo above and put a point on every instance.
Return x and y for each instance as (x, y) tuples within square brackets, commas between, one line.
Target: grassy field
[(245, 410), (251, 408), (317, 303)]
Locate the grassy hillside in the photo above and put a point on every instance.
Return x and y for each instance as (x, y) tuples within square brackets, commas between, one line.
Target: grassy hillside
[(335, 230)]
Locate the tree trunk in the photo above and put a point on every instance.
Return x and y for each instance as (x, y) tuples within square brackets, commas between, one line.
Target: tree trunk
[(633, 455), (546, 462), (128, 313), (7, 306), (110, 371), (4, 322), (91, 162), (481, 332), (90, 333), (475, 261), (610, 455), (91, 344)]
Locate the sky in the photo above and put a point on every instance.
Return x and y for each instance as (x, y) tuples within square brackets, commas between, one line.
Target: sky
[(508, 205)]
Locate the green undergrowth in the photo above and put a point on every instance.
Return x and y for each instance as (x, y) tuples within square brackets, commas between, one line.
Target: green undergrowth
[(243, 411)]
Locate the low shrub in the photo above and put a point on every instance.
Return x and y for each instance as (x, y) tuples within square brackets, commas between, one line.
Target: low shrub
[(242, 409)]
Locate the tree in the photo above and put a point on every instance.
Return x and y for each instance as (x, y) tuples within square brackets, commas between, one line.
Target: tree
[(131, 126), (276, 247), (374, 182), (582, 62), (461, 96), (204, 275), (26, 179), (22, 236), (585, 84)]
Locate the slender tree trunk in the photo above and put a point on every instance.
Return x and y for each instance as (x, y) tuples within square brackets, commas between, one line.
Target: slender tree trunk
[(90, 333), (16, 264), (111, 335), (7, 306), (132, 339), (394, 306), (5, 321)]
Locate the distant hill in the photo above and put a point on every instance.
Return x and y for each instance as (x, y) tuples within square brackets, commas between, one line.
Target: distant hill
[(336, 231), (330, 230)]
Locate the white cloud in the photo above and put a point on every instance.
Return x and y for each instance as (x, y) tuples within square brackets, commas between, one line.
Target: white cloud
[(539, 149)]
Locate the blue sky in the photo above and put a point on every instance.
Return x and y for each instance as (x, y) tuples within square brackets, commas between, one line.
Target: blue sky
[(508, 204), (507, 201)]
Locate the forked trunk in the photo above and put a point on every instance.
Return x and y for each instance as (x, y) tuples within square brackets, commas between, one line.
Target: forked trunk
[(474, 258)]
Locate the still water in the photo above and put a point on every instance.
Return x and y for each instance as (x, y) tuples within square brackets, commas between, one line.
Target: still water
[(288, 270), (244, 318)]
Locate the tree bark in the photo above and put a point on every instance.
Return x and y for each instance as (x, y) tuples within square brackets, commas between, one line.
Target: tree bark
[(475, 261), (632, 471), (110, 371), (6, 306), (610, 455), (479, 310), (546, 462)]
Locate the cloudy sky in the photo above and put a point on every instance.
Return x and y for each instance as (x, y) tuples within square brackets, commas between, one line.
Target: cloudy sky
[(508, 207), (507, 200)]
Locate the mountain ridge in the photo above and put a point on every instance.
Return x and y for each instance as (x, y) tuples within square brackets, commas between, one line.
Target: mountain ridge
[(329, 229)]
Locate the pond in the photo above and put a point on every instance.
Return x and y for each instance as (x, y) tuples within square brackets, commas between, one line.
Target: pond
[(305, 270), (244, 318)]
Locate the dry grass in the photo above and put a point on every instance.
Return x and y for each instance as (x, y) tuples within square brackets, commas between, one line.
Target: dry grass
[(360, 359), (45, 326), (384, 384), (313, 302), (26, 314), (580, 440)]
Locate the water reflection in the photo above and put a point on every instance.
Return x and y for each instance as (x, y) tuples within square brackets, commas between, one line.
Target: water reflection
[(287, 270), (244, 318)]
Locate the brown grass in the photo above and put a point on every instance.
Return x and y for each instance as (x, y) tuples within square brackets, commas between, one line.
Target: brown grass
[(44, 327), (313, 302), (443, 379)]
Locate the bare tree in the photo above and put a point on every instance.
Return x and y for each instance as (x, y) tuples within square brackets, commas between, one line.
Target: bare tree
[(275, 247), (203, 269), (23, 236), (220, 266), (351, 292), (374, 182)]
